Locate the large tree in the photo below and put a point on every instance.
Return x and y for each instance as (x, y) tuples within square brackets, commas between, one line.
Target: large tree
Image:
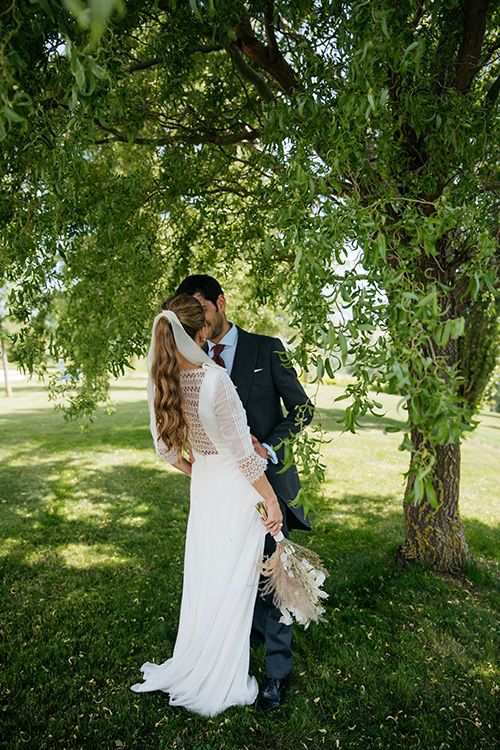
[(343, 150)]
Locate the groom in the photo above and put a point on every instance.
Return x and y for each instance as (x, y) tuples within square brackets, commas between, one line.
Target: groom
[(263, 382)]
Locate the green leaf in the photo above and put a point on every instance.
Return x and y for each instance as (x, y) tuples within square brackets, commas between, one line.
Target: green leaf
[(428, 299), (430, 493), (331, 337), (320, 368), (382, 247), (457, 327), (329, 368), (410, 48), (12, 115), (385, 32), (418, 490), (98, 70), (194, 7), (82, 14), (343, 346)]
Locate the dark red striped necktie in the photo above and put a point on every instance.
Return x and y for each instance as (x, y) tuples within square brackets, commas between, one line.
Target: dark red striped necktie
[(216, 354)]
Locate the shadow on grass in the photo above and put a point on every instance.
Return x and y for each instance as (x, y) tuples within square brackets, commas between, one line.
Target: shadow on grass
[(92, 578), (36, 389), (134, 419), (27, 389), (88, 580), (484, 540), (62, 501), (47, 428)]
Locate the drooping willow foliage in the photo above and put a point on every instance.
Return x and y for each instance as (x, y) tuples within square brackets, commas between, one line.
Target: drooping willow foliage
[(343, 152)]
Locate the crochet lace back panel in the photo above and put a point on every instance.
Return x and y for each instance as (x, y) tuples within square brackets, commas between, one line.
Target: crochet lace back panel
[(191, 381), (231, 420)]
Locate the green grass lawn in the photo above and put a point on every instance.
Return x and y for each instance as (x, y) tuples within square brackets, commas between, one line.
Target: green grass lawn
[(91, 559)]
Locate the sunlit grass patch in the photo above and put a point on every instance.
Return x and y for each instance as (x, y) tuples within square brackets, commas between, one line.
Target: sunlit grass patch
[(80, 555)]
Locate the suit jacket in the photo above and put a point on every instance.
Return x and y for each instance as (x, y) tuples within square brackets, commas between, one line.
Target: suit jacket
[(263, 382)]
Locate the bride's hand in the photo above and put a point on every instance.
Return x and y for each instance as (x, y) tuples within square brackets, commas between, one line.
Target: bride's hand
[(274, 520), (259, 448)]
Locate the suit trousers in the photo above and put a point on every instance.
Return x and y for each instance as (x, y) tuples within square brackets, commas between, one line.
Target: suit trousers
[(266, 627)]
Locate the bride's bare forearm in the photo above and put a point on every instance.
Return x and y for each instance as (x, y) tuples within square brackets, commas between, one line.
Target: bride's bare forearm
[(274, 520), (265, 490)]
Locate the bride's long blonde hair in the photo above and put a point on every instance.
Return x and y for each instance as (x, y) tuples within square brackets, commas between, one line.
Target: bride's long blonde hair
[(168, 402)]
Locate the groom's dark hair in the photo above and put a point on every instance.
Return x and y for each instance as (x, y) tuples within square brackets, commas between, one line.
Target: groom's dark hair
[(203, 284)]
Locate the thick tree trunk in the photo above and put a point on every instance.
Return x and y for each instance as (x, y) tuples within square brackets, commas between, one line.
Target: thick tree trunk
[(435, 536)]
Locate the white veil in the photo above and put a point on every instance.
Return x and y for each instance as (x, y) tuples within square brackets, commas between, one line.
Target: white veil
[(186, 346)]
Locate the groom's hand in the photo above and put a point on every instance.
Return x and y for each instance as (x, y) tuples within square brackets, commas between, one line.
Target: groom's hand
[(259, 448)]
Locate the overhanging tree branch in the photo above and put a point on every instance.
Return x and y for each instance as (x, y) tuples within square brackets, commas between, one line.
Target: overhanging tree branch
[(488, 54), (493, 91), (220, 139), (144, 65), (270, 35), (250, 74), (470, 49), (269, 59)]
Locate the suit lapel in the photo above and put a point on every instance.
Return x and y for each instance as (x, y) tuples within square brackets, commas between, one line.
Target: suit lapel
[(244, 363)]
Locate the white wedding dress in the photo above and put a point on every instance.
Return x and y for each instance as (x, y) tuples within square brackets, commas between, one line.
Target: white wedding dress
[(208, 670)]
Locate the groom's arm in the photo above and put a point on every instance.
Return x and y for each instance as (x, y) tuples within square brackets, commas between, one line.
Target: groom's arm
[(299, 408)]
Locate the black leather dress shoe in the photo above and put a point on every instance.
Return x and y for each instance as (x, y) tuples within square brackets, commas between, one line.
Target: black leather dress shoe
[(271, 694)]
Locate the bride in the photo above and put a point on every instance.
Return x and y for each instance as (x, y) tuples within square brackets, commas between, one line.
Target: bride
[(193, 403)]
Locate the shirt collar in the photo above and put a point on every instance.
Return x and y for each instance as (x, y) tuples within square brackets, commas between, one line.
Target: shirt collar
[(229, 339)]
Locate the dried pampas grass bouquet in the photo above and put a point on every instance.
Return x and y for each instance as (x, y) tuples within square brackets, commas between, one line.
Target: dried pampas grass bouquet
[(295, 576)]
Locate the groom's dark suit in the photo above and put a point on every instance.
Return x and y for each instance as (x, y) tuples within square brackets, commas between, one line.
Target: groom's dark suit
[(263, 383)]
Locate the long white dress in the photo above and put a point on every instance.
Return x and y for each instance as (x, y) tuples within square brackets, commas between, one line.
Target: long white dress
[(208, 671)]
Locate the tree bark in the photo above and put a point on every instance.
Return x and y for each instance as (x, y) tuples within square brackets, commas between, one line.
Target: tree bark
[(8, 389), (435, 536)]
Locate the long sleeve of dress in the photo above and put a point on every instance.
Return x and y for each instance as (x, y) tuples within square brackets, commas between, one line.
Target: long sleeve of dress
[(232, 422), (171, 455)]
